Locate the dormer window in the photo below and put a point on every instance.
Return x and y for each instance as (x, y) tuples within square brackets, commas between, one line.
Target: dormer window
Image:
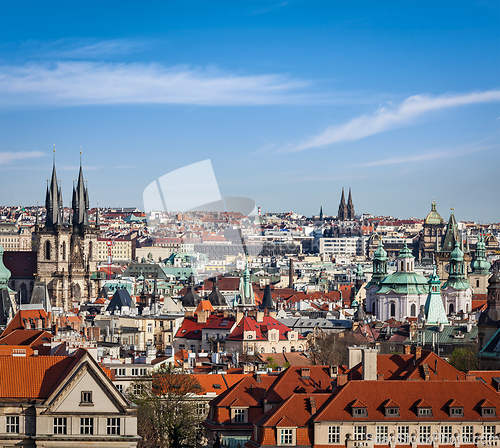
[(487, 409), (359, 409), (456, 411), (391, 409), (425, 412), (488, 412), (392, 412)]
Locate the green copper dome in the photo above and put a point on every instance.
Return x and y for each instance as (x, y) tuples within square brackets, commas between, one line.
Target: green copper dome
[(4, 272), (433, 217), (457, 254), (405, 252), (480, 265), (380, 253)]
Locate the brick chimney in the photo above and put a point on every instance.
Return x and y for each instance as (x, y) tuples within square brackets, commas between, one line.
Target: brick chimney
[(470, 377), (418, 352), (312, 401), (305, 373), (407, 349), (202, 317), (342, 379), (369, 360)]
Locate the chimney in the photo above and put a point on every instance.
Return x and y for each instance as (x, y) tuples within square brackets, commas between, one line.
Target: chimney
[(35, 352), (305, 373), (39, 324), (407, 349), (312, 401), (354, 356), (369, 364), (258, 379), (470, 377), (290, 274), (333, 370), (239, 316), (260, 316), (427, 375), (202, 317), (342, 379), (418, 352)]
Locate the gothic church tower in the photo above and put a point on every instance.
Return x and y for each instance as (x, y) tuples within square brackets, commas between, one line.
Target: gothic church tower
[(67, 256)]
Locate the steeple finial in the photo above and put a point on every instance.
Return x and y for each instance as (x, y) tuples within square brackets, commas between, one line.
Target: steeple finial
[(80, 156), (54, 155)]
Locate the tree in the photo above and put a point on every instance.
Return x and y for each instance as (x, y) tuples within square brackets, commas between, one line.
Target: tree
[(463, 359), (167, 416), (330, 349)]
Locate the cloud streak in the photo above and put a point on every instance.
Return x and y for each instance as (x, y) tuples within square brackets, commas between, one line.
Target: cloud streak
[(388, 118), (71, 83), (7, 157), (427, 156)]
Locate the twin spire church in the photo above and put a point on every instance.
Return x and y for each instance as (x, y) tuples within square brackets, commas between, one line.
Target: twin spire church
[(67, 247)]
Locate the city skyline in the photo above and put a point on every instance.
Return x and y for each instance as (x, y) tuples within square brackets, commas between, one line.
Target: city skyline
[(291, 101)]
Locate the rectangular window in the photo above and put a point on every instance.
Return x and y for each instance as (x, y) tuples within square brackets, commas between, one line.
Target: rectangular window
[(87, 425), (150, 328), (489, 431), (13, 424), (120, 388), (446, 433), (113, 426), (201, 408), (137, 389), (390, 412), (382, 435), (487, 412), (359, 412), (239, 415), (86, 397), (425, 412), (360, 433), (425, 435), (60, 425), (404, 434), (456, 412), (334, 434), (121, 372), (286, 436), (467, 434)]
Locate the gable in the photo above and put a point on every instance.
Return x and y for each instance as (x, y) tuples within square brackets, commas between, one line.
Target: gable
[(69, 398)]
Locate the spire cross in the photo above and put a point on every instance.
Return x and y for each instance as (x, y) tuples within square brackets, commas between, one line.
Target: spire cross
[(452, 206)]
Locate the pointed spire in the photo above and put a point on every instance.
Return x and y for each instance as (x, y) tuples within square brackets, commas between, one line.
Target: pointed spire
[(434, 309), (80, 200), (53, 199)]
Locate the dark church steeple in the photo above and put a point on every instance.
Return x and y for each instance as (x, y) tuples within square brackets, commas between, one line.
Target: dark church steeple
[(53, 200), (342, 215), (350, 207), (80, 201)]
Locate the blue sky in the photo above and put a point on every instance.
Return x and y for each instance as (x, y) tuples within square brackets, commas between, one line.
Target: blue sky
[(291, 101)]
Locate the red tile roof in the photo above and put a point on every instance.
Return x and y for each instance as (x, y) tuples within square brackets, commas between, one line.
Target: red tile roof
[(408, 393), (249, 323), (31, 377)]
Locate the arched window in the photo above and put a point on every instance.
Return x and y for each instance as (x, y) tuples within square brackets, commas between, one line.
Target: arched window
[(273, 350), (284, 349), (90, 250), (413, 311), (393, 309), (262, 350), (452, 308), (477, 283), (47, 250), (64, 250)]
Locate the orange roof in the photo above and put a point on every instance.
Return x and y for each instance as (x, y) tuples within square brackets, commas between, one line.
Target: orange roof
[(17, 321), (31, 377), (205, 305), (408, 393), (26, 337), (218, 383)]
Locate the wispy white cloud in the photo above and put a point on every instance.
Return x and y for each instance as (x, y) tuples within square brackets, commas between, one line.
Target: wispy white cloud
[(84, 82), (265, 10), (392, 117), (429, 155), (76, 48), (10, 156)]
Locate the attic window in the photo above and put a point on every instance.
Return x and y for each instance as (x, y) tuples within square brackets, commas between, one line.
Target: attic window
[(183, 331), (488, 412), (86, 398), (456, 411), (216, 386), (391, 412), (359, 412), (426, 412)]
